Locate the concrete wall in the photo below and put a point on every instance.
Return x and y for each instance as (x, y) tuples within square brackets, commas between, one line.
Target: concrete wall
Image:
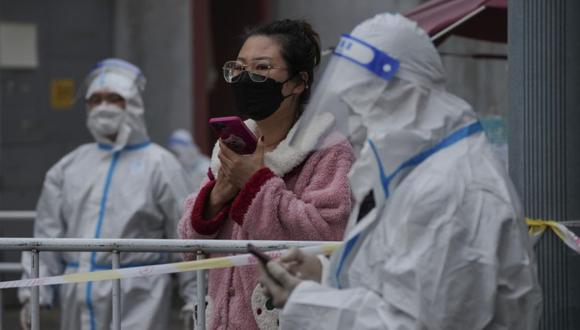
[(156, 36), (331, 18), (482, 82), (33, 135)]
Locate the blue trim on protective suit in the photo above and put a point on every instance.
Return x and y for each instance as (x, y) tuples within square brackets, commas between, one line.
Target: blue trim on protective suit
[(347, 248), (104, 146), (382, 174), (114, 160), (418, 159), (89, 287), (414, 161)]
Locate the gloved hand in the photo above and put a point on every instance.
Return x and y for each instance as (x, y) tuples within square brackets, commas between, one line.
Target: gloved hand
[(279, 283), (187, 311), (25, 316), (186, 314), (302, 265)]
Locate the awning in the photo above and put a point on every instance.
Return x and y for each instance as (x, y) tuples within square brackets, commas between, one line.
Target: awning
[(477, 19)]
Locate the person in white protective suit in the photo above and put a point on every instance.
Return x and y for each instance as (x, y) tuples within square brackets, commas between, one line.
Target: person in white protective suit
[(122, 186), (437, 239), (195, 163)]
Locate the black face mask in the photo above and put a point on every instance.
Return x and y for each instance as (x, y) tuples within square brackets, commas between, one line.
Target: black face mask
[(258, 100)]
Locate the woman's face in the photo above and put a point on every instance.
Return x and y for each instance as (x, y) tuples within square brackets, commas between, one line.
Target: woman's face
[(260, 98), (262, 55)]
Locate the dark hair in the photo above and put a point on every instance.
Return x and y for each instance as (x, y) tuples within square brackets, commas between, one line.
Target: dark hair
[(299, 46)]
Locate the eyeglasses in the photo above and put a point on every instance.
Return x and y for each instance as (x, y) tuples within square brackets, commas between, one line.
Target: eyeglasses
[(258, 71), (111, 98)]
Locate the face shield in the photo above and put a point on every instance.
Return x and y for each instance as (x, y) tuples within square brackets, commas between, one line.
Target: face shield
[(355, 78)]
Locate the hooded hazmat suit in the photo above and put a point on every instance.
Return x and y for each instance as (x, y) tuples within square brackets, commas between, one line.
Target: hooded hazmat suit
[(127, 188), (195, 163), (437, 238)]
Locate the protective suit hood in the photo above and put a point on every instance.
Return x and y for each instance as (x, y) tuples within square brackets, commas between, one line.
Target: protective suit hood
[(125, 79), (182, 145), (388, 84), (193, 161)]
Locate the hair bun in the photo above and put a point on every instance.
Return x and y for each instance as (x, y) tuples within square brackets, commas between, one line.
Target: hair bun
[(314, 38)]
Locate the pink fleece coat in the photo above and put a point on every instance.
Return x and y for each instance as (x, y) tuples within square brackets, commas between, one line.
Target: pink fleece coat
[(300, 195)]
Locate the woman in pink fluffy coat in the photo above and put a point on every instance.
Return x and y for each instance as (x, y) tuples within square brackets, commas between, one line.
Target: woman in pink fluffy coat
[(283, 191)]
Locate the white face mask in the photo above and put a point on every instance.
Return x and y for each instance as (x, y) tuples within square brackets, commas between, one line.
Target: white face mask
[(105, 119)]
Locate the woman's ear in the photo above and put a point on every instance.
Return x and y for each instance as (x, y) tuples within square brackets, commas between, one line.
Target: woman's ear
[(302, 84)]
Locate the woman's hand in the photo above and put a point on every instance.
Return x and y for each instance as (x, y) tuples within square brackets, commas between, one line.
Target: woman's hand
[(278, 282), (220, 195), (238, 169), (280, 278)]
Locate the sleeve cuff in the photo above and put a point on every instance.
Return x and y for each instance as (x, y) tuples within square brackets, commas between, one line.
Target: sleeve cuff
[(246, 195), (198, 222)]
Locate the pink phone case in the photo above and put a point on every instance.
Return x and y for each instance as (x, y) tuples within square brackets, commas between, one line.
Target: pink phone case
[(235, 134)]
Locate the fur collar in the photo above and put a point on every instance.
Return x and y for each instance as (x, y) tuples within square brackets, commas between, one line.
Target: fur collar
[(286, 156)]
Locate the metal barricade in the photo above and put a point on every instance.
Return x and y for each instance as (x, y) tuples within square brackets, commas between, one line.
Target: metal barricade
[(17, 215), (117, 246), (7, 268), (9, 217)]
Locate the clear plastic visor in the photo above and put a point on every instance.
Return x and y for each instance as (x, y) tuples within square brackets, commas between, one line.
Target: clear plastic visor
[(355, 77), (124, 81)]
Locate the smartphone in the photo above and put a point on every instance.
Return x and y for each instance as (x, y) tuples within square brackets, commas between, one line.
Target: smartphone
[(263, 259), (235, 134), (261, 256)]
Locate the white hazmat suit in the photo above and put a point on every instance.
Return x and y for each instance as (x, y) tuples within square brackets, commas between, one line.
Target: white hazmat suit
[(437, 239), (127, 188), (195, 163)]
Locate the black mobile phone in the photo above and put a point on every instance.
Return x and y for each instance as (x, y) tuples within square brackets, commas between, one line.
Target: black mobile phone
[(261, 256)]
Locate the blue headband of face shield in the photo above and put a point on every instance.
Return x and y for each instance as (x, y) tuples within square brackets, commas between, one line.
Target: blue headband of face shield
[(367, 56)]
